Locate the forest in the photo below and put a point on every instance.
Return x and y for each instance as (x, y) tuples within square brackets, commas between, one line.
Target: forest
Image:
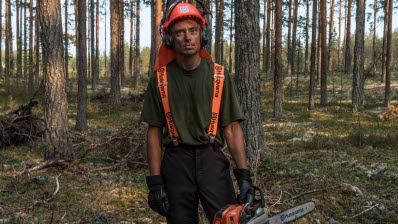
[(318, 80)]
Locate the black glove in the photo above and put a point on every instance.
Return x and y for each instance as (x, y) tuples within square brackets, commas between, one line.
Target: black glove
[(245, 184), (157, 198)]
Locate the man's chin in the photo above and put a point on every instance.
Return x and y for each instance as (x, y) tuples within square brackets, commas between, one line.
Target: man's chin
[(190, 52)]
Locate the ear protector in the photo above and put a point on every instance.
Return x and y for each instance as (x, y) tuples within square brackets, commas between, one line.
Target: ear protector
[(167, 37)]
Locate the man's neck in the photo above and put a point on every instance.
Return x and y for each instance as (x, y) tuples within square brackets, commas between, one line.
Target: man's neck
[(188, 62)]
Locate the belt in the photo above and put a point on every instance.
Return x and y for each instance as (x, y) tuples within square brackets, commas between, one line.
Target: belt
[(215, 146)]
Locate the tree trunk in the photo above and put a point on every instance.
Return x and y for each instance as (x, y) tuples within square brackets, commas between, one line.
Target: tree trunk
[(307, 22), (264, 37), (37, 47), (137, 61), (389, 55), (331, 31), (97, 68), (348, 40), (106, 52), (1, 39), (66, 43), (311, 104), (230, 36), (339, 38), (278, 74), (55, 101), (93, 64), (121, 51), (359, 58), (289, 44), (294, 42), (319, 54), (19, 55), (210, 27), (156, 41), (81, 64), (8, 55), (385, 33), (25, 60), (219, 38), (267, 59), (374, 36), (324, 61), (247, 76), (131, 53), (115, 52), (30, 64)]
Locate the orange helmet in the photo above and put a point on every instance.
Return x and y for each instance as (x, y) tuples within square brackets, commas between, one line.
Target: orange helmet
[(179, 11)]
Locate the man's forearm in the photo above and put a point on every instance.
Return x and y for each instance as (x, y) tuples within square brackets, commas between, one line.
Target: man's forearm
[(236, 144), (154, 149)]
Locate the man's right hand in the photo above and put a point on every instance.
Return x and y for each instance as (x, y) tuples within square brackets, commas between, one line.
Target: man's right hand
[(157, 198)]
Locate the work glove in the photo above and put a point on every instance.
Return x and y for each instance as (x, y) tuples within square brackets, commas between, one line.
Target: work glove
[(245, 184), (157, 198)]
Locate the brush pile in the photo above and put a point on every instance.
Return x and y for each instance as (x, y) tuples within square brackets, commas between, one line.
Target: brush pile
[(392, 112), (20, 126)]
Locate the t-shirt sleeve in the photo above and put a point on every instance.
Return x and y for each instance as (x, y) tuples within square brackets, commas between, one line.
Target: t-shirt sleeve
[(152, 111), (231, 110)]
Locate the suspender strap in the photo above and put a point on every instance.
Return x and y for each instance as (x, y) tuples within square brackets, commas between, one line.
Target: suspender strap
[(164, 95), (217, 94)]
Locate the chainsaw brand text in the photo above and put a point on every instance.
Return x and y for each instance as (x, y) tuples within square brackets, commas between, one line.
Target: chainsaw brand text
[(283, 217)]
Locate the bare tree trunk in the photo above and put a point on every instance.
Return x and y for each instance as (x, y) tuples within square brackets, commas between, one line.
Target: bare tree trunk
[(131, 49), (385, 33), (25, 59), (324, 61), (92, 32), (106, 52), (374, 36), (66, 43), (219, 38), (97, 68), (1, 38), (319, 57), (331, 31), (307, 22), (264, 37), (230, 36), (339, 38), (311, 104), (115, 52), (389, 54), (289, 45), (37, 46), (278, 74), (359, 58), (156, 8), (30, 64), (121, 51), (247, 76), (137, 61), (209, 21), (19, 56), (294, 42), (55, 101), (9, 49), (348, 40), (81, 64), (267, 59)]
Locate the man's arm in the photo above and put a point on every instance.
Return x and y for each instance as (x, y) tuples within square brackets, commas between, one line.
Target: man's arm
[(154, 149), (236, 144)]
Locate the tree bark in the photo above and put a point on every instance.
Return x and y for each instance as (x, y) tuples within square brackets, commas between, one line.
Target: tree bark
[(289, 42), (55, 101), (81, 64), (121, 51), (267, 59), (374, 36), (230, 36), (1, 39), (247, 76), (311, 104), (30, 64), (219, 38), (97, 68), (331, 31), (210, 26), (92, 39), (294, 42), (19, 55), (307, 22), (37, 47), (137, 60), (389, 55), (25, 59), (66, 43), (385, 33), (278, 74), (156, 41), (131, 47), (324, 61), (348, 40), (359, 58), (9, 49), (319, 53), (115, 52), (339, 38)]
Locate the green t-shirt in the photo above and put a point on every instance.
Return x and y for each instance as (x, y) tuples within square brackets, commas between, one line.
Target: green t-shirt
[(190, 99)]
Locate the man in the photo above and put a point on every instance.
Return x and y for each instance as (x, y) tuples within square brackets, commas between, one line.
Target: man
[(183, 113)]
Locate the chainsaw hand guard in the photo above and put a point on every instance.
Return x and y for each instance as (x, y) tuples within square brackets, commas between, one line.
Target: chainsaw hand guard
[(157, 198)]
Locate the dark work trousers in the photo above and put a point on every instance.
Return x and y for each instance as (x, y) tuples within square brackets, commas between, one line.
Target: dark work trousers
[(193, 173)]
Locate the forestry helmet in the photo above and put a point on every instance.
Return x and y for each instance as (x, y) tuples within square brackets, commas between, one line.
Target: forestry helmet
[(179, 11)]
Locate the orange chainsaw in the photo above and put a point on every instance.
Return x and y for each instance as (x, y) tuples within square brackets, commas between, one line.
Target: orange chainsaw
[(253, 212)]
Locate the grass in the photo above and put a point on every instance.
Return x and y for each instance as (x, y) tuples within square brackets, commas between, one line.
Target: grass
[(345, 162)]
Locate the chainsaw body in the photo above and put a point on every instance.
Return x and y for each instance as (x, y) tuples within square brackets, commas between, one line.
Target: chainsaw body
[(253, 212)]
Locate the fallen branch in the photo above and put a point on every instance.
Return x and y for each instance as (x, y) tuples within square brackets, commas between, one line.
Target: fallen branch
[(305, 193), (45, 165), (280, 197), (49, 198), (366, 210)]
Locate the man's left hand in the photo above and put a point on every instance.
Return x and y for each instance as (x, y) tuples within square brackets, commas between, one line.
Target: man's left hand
[(245, 184)]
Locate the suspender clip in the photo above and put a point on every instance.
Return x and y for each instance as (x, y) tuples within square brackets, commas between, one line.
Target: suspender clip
[(212, 139), (175, 142)]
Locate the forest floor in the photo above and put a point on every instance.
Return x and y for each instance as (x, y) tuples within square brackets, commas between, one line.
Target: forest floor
[(347, 163)]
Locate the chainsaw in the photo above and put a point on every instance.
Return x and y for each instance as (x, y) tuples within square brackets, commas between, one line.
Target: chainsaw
[(253, 212)]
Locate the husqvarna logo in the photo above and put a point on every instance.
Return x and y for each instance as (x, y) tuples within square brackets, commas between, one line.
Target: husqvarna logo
[(184, 9)]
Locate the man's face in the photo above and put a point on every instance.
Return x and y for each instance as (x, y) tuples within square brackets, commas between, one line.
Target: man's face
[(186, 37)]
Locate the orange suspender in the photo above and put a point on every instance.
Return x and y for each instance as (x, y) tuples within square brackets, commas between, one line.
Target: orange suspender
[(215, 109)]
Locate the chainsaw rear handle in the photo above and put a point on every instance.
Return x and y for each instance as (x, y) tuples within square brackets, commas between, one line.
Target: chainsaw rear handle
[(252, 204)]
